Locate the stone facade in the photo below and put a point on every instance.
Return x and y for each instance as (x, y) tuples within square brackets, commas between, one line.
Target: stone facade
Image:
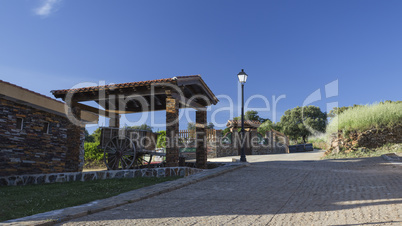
[(96, 175), (47, 142), (273, 144), (172, 128), (201, 152)]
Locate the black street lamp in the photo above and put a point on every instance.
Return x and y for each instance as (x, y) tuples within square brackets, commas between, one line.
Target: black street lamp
[(242, 79)]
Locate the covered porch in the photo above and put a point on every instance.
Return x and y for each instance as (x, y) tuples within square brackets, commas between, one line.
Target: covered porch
[(169, 94)]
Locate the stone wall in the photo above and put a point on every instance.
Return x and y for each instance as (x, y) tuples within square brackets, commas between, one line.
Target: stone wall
[(372, 138), (272, 145), (96, 175), (32, 150)]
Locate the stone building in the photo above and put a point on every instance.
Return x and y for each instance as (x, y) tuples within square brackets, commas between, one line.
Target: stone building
[(35, 134)]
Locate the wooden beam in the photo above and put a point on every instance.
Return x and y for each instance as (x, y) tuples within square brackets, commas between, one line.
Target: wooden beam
[(104, 113), (158, 101), (186, 102), (94, 95)]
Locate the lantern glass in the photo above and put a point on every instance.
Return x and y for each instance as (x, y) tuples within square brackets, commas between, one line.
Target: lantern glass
[(242, 76)]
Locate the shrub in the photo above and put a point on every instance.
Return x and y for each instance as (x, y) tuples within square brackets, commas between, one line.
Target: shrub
[(161, 142), (92, 153), (319, 142)]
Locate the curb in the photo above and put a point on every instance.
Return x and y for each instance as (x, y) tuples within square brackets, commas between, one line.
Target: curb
[(58, 216)]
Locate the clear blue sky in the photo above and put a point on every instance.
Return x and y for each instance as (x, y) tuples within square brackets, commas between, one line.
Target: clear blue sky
[(287, 48)]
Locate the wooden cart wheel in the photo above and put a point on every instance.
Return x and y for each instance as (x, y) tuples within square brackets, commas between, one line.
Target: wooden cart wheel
[(119, 153)]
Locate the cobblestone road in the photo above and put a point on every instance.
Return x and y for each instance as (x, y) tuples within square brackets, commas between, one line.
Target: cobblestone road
[(329, 192)]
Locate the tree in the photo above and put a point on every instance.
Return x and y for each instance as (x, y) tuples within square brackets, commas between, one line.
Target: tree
[(303, 122), (141, 127), (88, 138), (191, 126), (210, 125), (96, 135), (225, 131), (251, 115), (268, 126)]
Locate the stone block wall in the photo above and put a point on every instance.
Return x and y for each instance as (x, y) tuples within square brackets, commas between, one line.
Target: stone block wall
[(31, 150), (274, 145), (372, 138), (96, 175)]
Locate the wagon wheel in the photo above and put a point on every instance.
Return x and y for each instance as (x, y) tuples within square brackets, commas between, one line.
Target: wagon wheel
[(139, 161), (119, 153)]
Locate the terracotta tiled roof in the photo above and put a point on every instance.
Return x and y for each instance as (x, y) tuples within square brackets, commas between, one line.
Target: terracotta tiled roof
[(248, 123), (1, 81), (123, 85)]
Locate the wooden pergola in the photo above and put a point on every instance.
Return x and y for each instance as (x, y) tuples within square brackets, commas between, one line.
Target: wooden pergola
[(153, 95)]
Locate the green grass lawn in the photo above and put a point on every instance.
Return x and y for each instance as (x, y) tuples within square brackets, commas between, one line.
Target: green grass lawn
[(21, 201)]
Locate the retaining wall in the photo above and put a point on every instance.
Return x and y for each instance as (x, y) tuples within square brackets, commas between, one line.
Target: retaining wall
[(96, 175)]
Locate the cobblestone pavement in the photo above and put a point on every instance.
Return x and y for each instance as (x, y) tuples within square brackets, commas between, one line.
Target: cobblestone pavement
[(326, 192)]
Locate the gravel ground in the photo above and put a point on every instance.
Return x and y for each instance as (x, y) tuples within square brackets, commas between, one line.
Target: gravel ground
[(285, 191)]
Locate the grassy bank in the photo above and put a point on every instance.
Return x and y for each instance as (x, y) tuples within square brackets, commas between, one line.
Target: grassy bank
[(364, 152), (319, 142), (21, 201), (362, 118)]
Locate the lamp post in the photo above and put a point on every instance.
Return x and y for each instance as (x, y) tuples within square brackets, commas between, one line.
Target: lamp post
[(242, 79)]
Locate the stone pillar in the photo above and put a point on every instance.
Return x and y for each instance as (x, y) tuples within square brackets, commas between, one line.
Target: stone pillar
[(217, 144), (201, 151), (172, 129)]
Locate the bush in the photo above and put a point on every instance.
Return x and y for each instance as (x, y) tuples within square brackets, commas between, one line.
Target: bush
[(319, 142), (161, 142), (92, 153)]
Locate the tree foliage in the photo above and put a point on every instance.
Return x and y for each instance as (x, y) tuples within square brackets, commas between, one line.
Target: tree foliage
[(251, 115), (268, 126), (94, 137), (92, 153), (225, 131), (190, 126), (161, 141), (303, 122), (141, 127), (88, 138)]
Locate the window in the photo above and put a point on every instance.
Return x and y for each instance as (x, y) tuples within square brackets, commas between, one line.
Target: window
[(20, 123), (46, 128)]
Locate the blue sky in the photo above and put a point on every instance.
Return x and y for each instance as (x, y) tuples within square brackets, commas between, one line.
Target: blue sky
[(290, 48)]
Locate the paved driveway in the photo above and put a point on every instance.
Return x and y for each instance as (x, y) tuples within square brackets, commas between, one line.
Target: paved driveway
[(292, 189)]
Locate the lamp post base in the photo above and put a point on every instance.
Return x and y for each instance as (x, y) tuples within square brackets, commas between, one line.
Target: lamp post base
[(243, 159)]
